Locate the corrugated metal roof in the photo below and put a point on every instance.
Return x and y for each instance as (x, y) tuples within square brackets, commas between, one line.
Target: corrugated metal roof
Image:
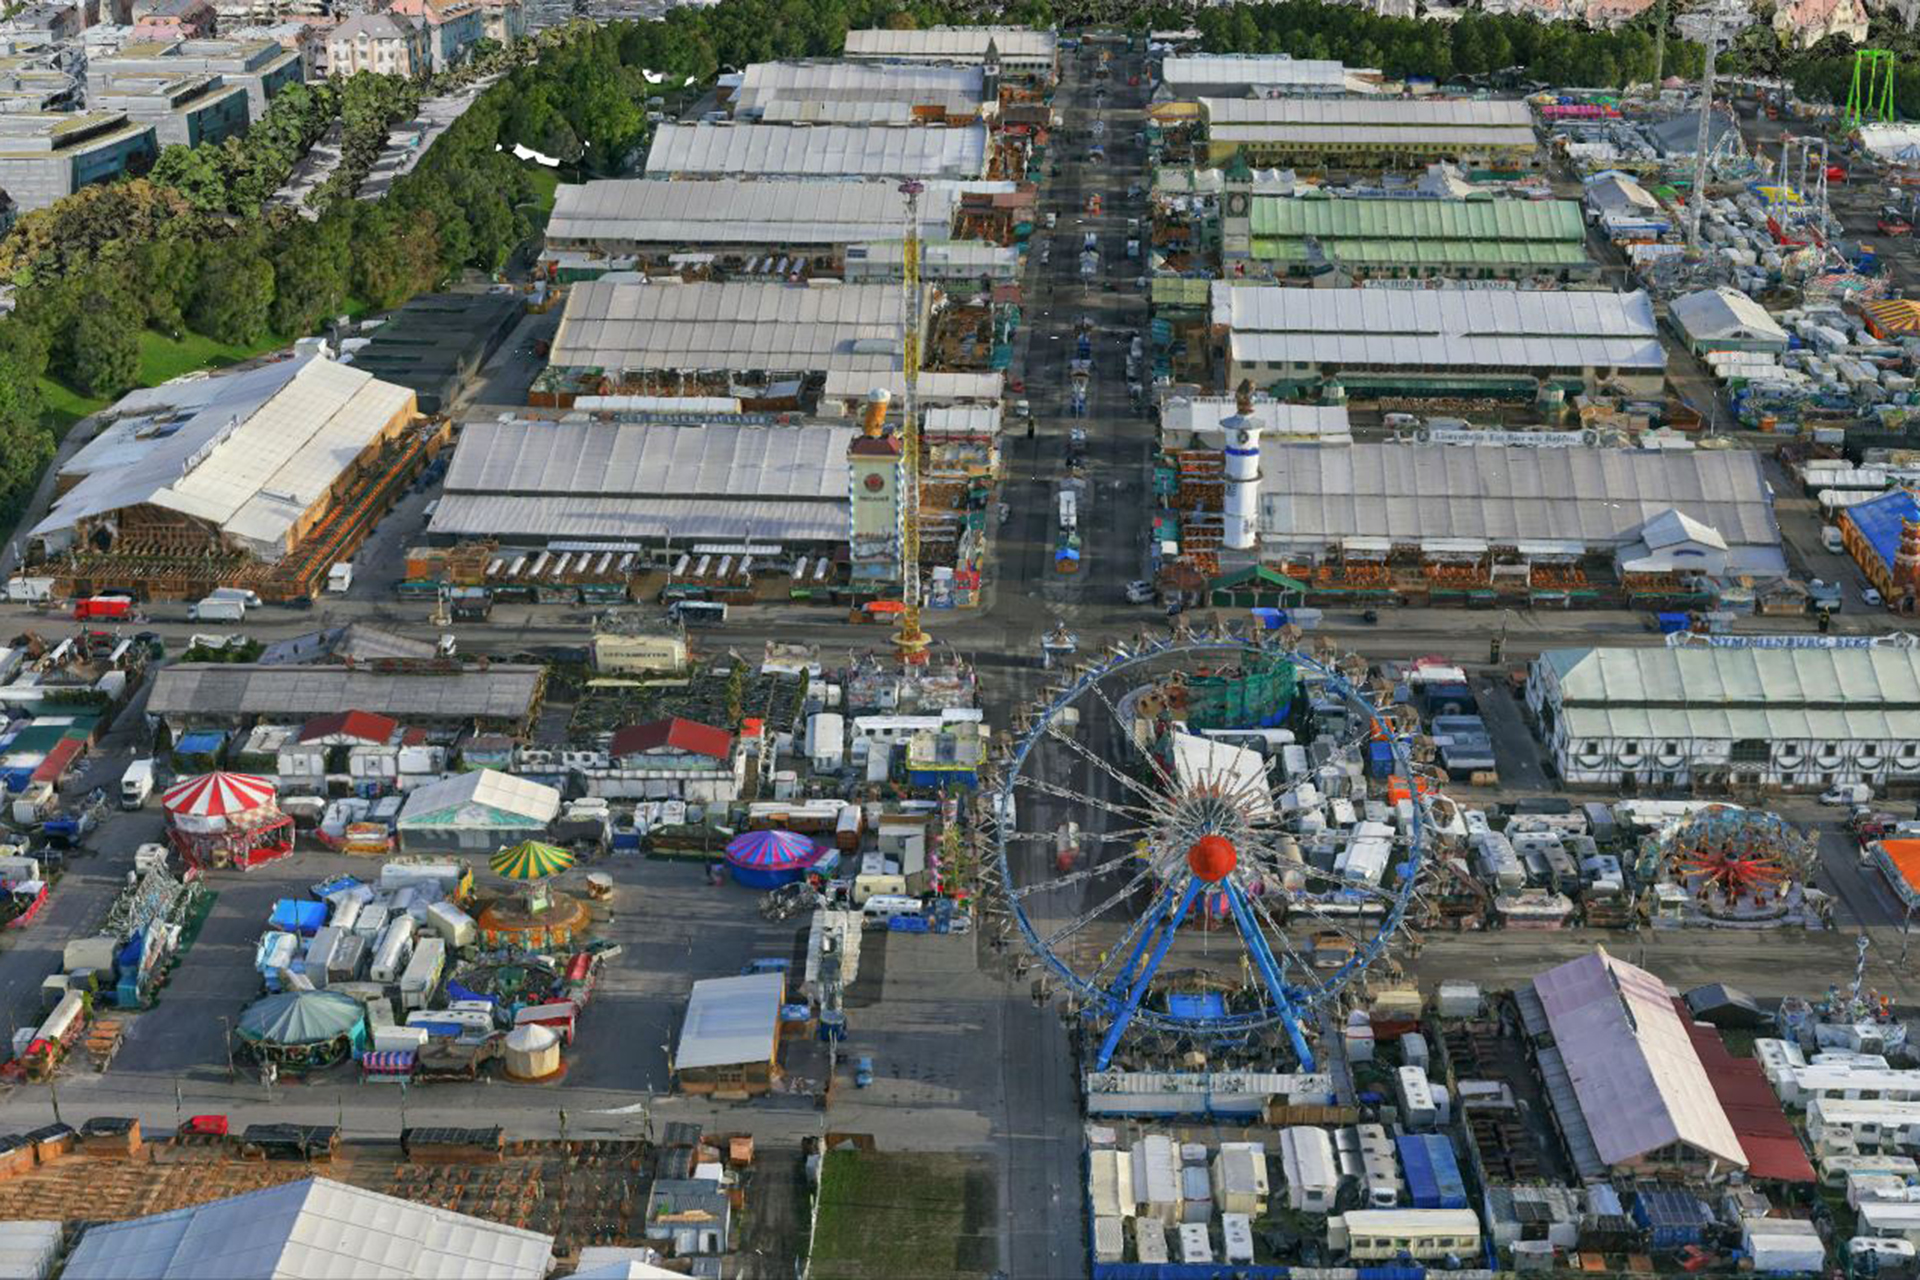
[(1435, 351), (1594, 497), (1426, 220), (931, 387), (953, 43), (1639, 1082), (863, 151), (1183, 73), (253, 462), (731, 1021), (1842, 681), (1449, 313), (1353, 137), (720, 460), (732, 211), (1415, 114), (315, 1227), (1430, 253), (633, 520), (777, 328), (501, 691), (955, 89)]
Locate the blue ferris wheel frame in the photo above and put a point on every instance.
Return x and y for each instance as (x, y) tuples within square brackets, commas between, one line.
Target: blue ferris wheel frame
[(1120, 1002)]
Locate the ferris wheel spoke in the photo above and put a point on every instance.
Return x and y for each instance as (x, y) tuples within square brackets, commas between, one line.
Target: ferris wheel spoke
[(1134, 813), (1080, 922), (1070, 878), (1134, 784)]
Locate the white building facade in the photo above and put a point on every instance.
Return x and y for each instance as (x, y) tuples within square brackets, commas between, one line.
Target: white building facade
[(1709, 718)]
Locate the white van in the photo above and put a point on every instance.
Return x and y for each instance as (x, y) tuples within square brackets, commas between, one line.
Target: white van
[(885, 906)]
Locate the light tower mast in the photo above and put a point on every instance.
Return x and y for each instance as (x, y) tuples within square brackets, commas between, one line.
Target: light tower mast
[(910, 642)]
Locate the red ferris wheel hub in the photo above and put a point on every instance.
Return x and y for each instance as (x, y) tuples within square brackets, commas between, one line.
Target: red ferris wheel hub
[(1212, 858)]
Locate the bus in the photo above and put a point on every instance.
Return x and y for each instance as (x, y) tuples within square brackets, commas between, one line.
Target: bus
[(697, 613)]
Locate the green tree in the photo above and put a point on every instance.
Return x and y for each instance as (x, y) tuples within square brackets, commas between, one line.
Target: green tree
[(310, 277), (169, 273), (106, 342), (235, 302)]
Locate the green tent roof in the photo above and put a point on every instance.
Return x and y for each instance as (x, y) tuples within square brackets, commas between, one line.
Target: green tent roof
[(1428, 253), (1272, 579), (1284, 217), (300, 1017)]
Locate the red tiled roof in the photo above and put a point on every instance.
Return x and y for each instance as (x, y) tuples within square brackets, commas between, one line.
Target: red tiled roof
[(676, 733), (1772, 1145), (365, 725)]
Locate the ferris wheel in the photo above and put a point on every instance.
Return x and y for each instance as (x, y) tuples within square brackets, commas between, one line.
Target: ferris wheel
[(1173, 880)]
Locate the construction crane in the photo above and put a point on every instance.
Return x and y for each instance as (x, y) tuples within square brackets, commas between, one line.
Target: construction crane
[(910, 642)]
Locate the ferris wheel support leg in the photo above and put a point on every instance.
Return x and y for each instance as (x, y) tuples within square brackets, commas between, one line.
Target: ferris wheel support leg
[(1269, 972), (1162, 933)]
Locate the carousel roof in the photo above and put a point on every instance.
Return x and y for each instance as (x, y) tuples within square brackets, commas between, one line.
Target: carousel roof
[(531, 860), (301, 1017), (772, 850), (217, 794)]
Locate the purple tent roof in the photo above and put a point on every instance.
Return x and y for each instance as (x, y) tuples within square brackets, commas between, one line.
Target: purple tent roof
[(771, 850)]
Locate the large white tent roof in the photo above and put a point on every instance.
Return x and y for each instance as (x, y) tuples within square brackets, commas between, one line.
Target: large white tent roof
[(311, 1230), (953, 44), (479, 790), (252, 462), (739, 325), (1639, 1083), (815, 151), (1509, 495), (731, 1021), (720, 211)]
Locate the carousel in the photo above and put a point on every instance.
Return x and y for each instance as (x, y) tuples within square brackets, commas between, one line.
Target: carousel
[(220, 820), (770, 859), (538, 918), (301, 1031), (1739, 866)]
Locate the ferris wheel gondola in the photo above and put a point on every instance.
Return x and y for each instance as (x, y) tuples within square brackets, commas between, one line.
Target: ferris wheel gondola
[(1180, 837)]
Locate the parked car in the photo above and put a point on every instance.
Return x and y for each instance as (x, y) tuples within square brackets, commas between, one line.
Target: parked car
[(1871, 596), (1139, 591), (1847, 793)]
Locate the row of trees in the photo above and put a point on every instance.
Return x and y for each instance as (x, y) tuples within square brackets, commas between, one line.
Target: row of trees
[(1478, 44)]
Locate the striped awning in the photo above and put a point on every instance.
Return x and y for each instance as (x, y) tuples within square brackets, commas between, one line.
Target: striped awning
[(1894, 315)]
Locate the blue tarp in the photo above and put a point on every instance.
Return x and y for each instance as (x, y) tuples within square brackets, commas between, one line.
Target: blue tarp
[(294, 915), (1672, 622), (201, 742), (1209, 1004), (1433, 1175), (1879, 520)]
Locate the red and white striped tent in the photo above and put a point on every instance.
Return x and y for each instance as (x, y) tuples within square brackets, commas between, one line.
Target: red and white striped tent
[(224, 819), (218, 795)]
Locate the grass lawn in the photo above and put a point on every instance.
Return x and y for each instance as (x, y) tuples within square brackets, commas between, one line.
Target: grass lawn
[(162, 359), (904, 1216), (545, 182)]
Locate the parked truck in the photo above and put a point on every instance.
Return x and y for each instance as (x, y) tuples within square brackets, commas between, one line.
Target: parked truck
[(217, 609), (136, 784), (103, 607)]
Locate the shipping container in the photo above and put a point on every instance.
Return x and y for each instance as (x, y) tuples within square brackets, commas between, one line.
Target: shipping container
[(1432, 1172)]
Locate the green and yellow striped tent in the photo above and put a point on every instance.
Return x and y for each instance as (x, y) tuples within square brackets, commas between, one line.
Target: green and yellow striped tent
[(531, 860)]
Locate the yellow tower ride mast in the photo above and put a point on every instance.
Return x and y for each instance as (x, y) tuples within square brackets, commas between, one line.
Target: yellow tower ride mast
[(910, 642)]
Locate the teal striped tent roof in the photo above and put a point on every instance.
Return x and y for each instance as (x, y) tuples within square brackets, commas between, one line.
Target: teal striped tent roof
[(1288, 217)]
